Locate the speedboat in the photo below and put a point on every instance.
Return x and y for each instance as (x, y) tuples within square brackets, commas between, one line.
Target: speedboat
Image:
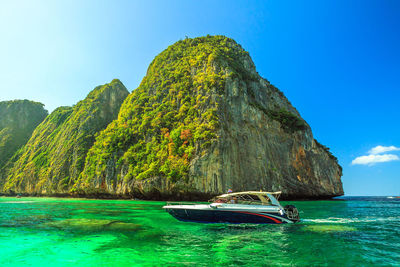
[(241, 207)]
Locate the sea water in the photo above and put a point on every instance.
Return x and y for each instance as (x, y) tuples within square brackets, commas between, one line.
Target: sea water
[(352, 231)]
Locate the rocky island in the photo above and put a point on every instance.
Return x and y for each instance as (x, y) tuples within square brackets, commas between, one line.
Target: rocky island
[(18, 119), (201, 121), (55, 154)]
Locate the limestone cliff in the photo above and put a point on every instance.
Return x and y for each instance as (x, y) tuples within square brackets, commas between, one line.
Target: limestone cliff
[(55, 155), (203, 121), (18, 119)]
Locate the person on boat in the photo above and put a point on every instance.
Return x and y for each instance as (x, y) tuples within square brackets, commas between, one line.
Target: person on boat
[(234, 200)]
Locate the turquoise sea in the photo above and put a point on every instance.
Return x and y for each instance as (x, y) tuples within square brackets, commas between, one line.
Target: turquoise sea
[(353, 231)]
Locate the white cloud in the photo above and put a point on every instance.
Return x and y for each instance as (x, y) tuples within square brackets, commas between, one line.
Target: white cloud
[(372, 159), (382, 149)]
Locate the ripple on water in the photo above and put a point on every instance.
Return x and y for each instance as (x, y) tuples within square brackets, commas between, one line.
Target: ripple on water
[(329, 228), (86, 225)]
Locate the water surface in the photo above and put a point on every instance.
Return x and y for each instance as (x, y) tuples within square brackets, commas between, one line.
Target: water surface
[(76, 232)]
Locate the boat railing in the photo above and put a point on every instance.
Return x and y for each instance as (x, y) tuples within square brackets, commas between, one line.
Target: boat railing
[(170, 203)]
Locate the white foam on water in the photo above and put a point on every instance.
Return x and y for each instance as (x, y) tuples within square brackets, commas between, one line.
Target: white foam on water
[(348, 220), (16, 202)]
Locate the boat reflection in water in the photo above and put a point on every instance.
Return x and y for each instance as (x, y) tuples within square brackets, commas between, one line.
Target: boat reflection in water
[(241, 207)]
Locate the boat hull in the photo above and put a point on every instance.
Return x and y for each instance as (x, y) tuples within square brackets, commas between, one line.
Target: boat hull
[(227, 216)]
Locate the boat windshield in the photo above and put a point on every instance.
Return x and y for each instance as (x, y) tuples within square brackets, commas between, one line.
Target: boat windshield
[(249, 198)]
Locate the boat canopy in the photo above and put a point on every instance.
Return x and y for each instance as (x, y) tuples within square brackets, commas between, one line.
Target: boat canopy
[(252, 197)]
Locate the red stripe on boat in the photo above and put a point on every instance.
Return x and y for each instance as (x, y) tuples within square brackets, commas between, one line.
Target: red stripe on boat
[(275, 220)]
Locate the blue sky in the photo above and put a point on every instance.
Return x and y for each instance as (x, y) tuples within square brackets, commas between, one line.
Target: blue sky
[(336, 61)]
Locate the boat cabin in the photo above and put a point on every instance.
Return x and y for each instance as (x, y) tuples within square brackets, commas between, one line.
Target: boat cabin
[(249, 198)]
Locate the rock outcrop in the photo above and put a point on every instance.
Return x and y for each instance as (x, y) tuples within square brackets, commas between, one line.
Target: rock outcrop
[(55, 155), (203, 121)]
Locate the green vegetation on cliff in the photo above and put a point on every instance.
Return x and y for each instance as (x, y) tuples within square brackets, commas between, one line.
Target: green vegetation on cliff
[(18, 119), (289, 121), (55, 155), (172, 114)]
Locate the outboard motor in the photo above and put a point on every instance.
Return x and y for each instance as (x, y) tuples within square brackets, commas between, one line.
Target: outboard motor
[(292, 213)]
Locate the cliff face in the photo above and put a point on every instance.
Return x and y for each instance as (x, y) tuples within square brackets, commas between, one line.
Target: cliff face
[(18, 119), (262, 145), (55, 155), (203, 121)]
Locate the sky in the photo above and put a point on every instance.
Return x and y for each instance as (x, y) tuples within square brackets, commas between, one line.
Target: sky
[(338, 62)]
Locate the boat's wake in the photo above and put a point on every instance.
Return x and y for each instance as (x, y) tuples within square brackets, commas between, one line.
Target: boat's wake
[(333, 220)]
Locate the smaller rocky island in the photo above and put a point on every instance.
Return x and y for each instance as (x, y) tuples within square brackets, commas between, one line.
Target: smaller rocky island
[(18, 120), (54, 156), (202, 121)]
